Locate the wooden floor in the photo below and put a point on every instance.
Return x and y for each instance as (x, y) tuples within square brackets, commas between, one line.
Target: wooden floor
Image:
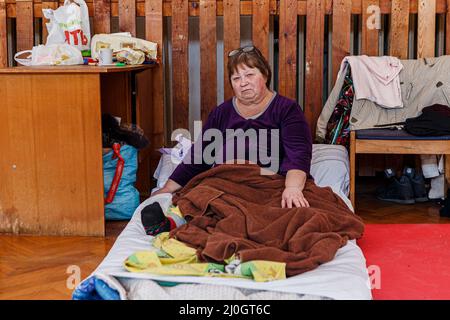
[(45, 267), (34, 267)]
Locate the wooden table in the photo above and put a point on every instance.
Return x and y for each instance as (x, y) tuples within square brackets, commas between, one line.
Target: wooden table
[(396, 146), (51, 176)]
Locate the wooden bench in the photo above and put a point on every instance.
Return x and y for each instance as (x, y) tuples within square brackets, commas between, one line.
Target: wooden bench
[(387, 141)]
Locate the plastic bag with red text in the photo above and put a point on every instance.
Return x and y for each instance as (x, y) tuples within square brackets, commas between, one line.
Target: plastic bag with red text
[(69, 24)]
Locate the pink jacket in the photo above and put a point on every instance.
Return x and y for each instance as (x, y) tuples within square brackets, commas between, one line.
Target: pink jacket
[(376, 79)]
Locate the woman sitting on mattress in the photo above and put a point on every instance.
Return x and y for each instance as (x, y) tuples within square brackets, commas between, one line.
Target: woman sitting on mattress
[(256, 115)]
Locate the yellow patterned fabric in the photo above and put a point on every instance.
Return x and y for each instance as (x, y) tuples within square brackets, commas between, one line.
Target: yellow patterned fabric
[(175, 258), (175, 210)]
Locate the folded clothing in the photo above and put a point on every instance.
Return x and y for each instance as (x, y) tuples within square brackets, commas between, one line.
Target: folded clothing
[(376, 79), (176, 258)]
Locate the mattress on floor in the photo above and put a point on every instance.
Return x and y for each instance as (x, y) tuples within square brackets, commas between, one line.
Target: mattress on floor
[(345, 277)]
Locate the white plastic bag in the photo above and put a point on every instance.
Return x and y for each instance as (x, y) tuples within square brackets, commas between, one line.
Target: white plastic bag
[(69, 24), (119, 41), (54, 54)]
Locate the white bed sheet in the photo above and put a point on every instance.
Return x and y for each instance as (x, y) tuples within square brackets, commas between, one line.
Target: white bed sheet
[(345, 277)]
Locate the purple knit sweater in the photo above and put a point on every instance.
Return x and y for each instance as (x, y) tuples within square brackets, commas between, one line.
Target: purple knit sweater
[(293, 138)]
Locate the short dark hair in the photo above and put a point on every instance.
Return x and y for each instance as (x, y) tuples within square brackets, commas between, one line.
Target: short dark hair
[(252, 59)]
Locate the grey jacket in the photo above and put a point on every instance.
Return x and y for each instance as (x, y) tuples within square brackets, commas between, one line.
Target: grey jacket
[(423, 82)]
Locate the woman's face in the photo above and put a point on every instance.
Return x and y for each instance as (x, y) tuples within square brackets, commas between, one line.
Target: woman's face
[(249, 84)]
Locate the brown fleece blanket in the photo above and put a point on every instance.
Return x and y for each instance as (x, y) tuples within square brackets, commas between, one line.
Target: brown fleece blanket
[(234, 209)]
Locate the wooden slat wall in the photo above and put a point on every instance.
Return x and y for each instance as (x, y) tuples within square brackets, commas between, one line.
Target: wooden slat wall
[(3, 35), (260, 11), (315, 21), (102, 16), (127, 16), (154, 32), (369, 29), (246, 7), (208, 57), (426, 28), (231, 38), (399, 29), (287, 80), (24, 25), (180, 60), (341, 34), (260, 25)]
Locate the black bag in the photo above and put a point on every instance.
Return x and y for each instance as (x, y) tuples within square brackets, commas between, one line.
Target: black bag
[(113, 132), (434, 121)]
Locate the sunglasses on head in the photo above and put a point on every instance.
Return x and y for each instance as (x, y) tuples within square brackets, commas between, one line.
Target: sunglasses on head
[(241, 50)]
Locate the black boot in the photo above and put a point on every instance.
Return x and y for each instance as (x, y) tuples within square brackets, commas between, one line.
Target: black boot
[(445, 210), (398, 190), (418, 184)]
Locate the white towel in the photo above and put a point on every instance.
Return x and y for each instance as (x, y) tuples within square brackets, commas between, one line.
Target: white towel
[(429, 163), (433, 167)]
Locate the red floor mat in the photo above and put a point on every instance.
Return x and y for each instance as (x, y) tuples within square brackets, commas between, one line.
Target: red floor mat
[(408, 261)]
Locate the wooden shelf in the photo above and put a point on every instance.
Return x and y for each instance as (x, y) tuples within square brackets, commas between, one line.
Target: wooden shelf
[(76, 69)]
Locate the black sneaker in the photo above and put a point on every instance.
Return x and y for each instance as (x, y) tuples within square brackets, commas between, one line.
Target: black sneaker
[(398, 191), (389, 173), (418, 184), (445, 210)]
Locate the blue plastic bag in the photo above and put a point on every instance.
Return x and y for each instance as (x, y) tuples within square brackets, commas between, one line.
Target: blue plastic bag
[(126, 198), (95, 289)]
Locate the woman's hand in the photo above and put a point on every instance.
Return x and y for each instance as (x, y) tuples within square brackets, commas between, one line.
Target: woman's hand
[(293, 192), (293, 196), (162, 190), (170, 187)]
